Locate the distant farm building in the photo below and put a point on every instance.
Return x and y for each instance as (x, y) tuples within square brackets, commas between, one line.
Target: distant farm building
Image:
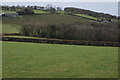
[(2, 14), (33, 7), (39, 7), (105, 21)]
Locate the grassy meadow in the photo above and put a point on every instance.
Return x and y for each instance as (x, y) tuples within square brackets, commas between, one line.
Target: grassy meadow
[(87, 16), (62, 12), (10, 28), (40, 11), (33, 60), (53, 19)]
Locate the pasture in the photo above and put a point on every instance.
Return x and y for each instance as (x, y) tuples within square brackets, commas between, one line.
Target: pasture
[(87, 16), (61, 12), (11, 25), (40, 11), (33, 60), (10, 28), (51, 18)]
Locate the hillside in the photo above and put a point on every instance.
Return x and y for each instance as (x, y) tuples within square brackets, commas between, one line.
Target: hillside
[(73, 10), (70, 24), (51, 18), (12, 25)]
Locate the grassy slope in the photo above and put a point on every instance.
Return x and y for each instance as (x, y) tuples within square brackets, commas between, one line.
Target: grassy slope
[(40, 11), (12, 24), (30, 37), (26, 37), (53, 18), (83, 15), (32, 60), (62, 12), (10, 28)]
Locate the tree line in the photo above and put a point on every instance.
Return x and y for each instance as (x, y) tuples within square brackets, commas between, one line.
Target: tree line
[(74, 31)]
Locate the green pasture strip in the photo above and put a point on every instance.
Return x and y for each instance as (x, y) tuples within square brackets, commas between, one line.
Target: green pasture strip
[(114, 20), (25, 37), (33, 60), (10, 28), (14, 36), (83, 15), (62, 12), (40, 11)]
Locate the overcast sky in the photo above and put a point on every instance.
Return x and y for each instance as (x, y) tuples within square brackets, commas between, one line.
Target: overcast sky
[(60, 0)]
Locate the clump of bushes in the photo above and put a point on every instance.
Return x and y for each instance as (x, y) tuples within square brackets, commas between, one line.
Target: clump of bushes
[(26, 11), (74, 31)]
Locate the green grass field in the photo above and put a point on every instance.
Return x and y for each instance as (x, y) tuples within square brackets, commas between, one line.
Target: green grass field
[(62, 12), (83, 15), (40, 11), (26, 37), (10, 28), (53, 19), (33, 60)]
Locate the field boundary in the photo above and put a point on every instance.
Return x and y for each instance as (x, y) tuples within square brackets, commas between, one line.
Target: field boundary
[(60, 41)]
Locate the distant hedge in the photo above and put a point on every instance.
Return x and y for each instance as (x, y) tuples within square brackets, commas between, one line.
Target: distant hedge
[(60, 41)]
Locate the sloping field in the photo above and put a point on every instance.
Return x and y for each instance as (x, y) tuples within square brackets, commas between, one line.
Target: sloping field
[(10, 28), (40, 11), (52, 18), (84, 15), (12, 25), (32, 60)]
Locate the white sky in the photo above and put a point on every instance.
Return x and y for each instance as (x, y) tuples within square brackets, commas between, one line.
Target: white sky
[(60, 0)]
